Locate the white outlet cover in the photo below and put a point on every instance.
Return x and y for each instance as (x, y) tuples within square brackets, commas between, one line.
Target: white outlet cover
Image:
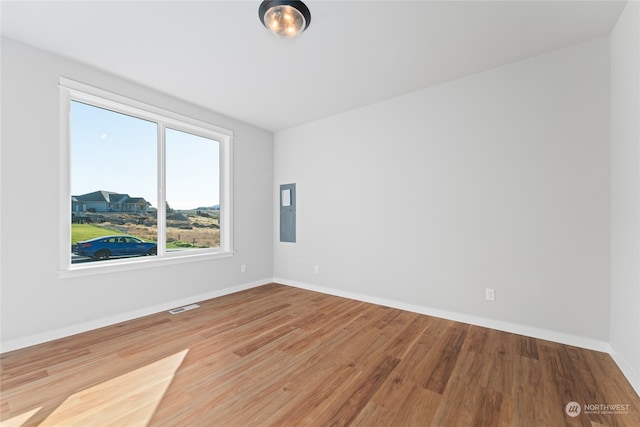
[(490, 294)]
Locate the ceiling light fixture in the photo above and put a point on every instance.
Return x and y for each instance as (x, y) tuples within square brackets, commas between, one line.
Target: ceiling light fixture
[(284, 18)]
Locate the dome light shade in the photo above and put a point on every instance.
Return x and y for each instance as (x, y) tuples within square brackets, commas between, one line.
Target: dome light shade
[(284, 18)]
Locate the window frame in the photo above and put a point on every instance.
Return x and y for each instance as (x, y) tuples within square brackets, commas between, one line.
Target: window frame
[(71, 90)]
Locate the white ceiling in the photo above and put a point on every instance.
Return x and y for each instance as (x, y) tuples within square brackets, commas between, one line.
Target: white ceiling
[(218, 55)]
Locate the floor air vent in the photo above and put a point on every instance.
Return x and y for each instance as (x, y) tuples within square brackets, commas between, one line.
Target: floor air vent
[(185, 308)]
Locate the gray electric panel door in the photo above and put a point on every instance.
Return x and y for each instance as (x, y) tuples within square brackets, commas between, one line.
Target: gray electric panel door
[(288, 213)]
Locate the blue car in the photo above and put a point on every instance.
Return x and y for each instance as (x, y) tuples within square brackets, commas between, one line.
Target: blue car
[(115, 246)]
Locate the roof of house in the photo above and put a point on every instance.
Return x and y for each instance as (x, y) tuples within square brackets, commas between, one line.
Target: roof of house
[(108, 197), (137, 200)]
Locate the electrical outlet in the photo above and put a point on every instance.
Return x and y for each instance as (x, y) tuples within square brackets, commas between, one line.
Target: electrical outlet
[(490, 294), (316, 269), (243, 268)]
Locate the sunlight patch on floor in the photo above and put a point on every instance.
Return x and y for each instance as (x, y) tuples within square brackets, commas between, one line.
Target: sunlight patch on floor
[(129, 399), (18, 420)]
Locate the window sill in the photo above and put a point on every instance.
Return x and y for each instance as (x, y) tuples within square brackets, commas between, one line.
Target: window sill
[(114, 266)]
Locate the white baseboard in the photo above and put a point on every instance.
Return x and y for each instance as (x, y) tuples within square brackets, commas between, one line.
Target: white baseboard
[(588, 343), (16, 344), (632, 376), (559, 337)]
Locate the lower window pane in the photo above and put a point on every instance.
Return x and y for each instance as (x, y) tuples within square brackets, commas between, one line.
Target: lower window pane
[(192, 191)]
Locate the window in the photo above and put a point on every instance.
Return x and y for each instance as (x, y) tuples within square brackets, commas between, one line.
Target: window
[(144, 185)]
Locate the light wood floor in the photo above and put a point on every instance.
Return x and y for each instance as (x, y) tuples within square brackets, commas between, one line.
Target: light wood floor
[(281, 356)]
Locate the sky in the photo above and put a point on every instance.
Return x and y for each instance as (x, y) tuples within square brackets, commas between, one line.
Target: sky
[(115, 152)]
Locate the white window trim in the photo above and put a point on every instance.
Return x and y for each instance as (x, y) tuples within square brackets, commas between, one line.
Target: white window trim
[(73, 90)]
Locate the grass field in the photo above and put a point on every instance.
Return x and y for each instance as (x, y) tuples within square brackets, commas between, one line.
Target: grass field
[(202, 232), (80, 232)]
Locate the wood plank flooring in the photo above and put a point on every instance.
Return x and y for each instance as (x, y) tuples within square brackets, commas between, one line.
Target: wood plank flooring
[(281, 356)]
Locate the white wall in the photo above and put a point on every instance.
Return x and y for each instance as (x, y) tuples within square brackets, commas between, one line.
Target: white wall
[(38, 305), (497, 180), (625, 192)]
